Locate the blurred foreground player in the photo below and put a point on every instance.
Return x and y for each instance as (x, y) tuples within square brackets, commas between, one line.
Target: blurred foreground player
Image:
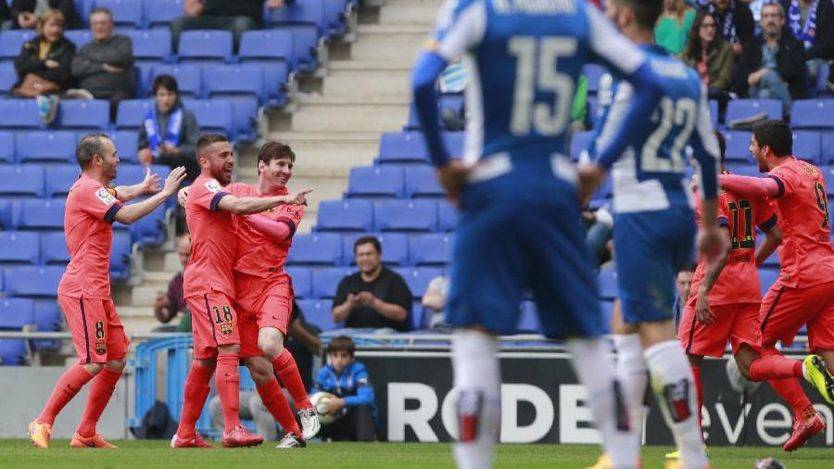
[(84, 292)]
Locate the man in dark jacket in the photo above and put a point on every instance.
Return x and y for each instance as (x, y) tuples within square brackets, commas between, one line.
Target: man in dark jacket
[(773, 65), (237, 16), (104, 67), (812, 22), (735, 22), (25, 13)]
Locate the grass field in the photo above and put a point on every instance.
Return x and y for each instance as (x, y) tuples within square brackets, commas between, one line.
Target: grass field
[(156, 454)]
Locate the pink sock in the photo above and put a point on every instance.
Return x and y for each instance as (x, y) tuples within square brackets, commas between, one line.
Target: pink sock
[(284, 364), (196, 392), (278, 406), (227, 381), (100, 391), (769, 367), (65, 389), (792, 393)]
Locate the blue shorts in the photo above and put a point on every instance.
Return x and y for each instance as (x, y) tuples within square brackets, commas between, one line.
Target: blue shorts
[(650, 248), (514, 237)]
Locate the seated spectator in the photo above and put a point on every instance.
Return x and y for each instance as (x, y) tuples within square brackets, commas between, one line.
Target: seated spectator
[(674, 25), (375, 296), (812, 22), (170, 131), (355, 404), (434, 300), (735, 22), (708, 53), (104, 67), (25, 13), (168, 305), (43, 66), (236, 16), (773, 64)]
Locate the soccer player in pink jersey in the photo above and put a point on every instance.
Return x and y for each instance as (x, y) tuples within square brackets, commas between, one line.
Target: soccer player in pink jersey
[(210, 291), (84, 292)]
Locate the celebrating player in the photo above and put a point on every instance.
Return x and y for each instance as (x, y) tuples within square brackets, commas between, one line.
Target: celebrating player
[(84, 292), (803, 295), (209, 291), (654, 224), (520, 225)]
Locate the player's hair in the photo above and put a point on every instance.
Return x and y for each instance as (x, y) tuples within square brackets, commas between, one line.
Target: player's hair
[(273, 150), (49, 15), (101, 10), (776, 135), (165, 81), (92, 144), (208, 139), (342, 343), (774, 4), (722, 146), (646, 12), (368, 240)]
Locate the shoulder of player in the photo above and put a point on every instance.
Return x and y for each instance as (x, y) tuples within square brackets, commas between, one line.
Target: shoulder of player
[(239, 189)]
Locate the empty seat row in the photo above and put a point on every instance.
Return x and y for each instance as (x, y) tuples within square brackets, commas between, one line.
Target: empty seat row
[(398, 249), (323, 282), (410, 147), (393, 181), (36, 180), (418, 215), (27, 247)]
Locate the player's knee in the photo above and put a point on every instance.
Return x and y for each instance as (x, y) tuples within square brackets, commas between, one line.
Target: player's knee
[(94, 368), (116, 365), (260, 369), (210, 364), (271, 341), (229, 349)]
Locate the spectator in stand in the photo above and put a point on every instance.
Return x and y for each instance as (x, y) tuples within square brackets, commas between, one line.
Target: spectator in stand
[(170, 132), (812, 22), (304, 343), (171, 303), (674, 25), (374, 297), (708, 53), (237, 16), (43, 66), (773, 64), (26, 12), (434, 300), (104, 67), (735, 22)]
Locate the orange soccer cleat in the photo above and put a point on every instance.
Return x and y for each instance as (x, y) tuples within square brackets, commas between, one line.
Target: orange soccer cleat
[(95, 441), (811, 424), (240, 437), (39, 434)]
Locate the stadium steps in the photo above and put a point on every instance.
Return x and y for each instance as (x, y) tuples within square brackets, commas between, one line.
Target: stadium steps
[(351, 113), (389, 42), (410, 12)]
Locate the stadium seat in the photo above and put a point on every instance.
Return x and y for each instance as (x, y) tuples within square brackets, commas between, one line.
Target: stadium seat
[(745, 108), (5, 214), (271, 45), (418, 278), (738, 144), (528, 320), (375, 181), (326, 280), (48, 317), (316, 249), (302, 281), (394, 247), (205, 45), (132, 112), (214, 115), (151, 228), (33, 281), (402, 147), (713, 113), (812, 114), (44, 146), (159, 13), (13, 352), (152, 45), (19, 114), (454, 143), (319, 313), (54, 248), (142, 76), (127, 145), (7, 151), (16, 313), (188, 76), (19, 247), (828, 174), (79, 37), (335, 16), (580, 142), (305, 41), (60, 178), (82, 114), (807, 146), (126, 13), (348, 215), (11, 42), (276, 76), (243, 86), (767, 277), (120, 256), (308, 13), (447, 216), (8, 77), (431, 249), (828, 147), (38, 214), (421, 181), (405, 215), (607, 284), (743, 169), (21, 180)]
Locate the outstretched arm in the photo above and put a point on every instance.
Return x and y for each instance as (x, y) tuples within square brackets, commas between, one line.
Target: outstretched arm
[(130, 213), (277, 230), (747, 186)]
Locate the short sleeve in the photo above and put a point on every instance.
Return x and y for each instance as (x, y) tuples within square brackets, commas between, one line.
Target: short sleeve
[(291, 215), (460, 26), (99, 202), (341, 292), (208, 193), (400, 293), (784, 179)]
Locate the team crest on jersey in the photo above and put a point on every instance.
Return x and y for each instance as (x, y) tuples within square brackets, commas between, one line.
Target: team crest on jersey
[(101, 347), (809, 169), (105, 196), (213, 186)]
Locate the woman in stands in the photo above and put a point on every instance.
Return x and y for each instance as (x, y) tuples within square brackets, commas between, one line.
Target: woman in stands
[(712, 56), (43, 66), (673, 26)]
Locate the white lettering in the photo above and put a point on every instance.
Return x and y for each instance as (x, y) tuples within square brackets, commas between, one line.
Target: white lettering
[(571, 413), (511, 395), (763, 425), (534, 7), (448, 414), (418, 419), (735, 431), (829, 421)]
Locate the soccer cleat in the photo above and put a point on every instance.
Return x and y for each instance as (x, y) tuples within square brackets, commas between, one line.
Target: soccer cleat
[(604, 462), (815, 372), (291, 441), (811, 424), (673, 455), (310, 424), (193, 442), (240, 437), (39, 434), (95, 441)]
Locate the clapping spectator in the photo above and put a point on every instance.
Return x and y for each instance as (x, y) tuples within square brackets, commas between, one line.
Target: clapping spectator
[(708, 53), (104, 67), (169, 133), (812, 22), (172, 303), (673, 26), (43, 66), (735, 22), (237, 16), (25, 13)]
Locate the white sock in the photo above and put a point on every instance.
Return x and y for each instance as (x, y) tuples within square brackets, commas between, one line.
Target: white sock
[(592, 362), (633, 374), (674, 386), (478, 407)]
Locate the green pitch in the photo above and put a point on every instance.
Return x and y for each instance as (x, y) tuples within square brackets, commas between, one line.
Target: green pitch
[(156, 455)]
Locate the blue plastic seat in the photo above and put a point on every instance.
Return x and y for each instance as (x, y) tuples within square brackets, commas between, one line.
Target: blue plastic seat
[(767, 277), (214, 115), (7, 150), (447, 216), (738, 144), (60, 178), (418, 278), (188, 76), (38, 214), (319, 313), (33, 281), (607, 284), (120, 256), (316, 249), (421, 181), (126, 13), (528, 320), (348, 215), (19, 114), (593, 72), (302, 281), (205, 45), (243, 86), (276, 78), (8, 77), (150, 229), (305, 42), (127, 144), (580, 141), (19, 247), (807, 145), (394, 247), (11, 42), (403, 147), (743, 168), (272, 45), (454, 143), (153, 45), (828, 147), (326, 281), (16, 313), (158, 13), (79, 37), (375, 181), (54, 248), (431, 249), (132, 112), (82, 114), (44, 146), (745, 108), (812, 114), (13, 352), (335, 17), (6, 214), (405, 215), (142, 76), (305, 13), (21, 180)]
